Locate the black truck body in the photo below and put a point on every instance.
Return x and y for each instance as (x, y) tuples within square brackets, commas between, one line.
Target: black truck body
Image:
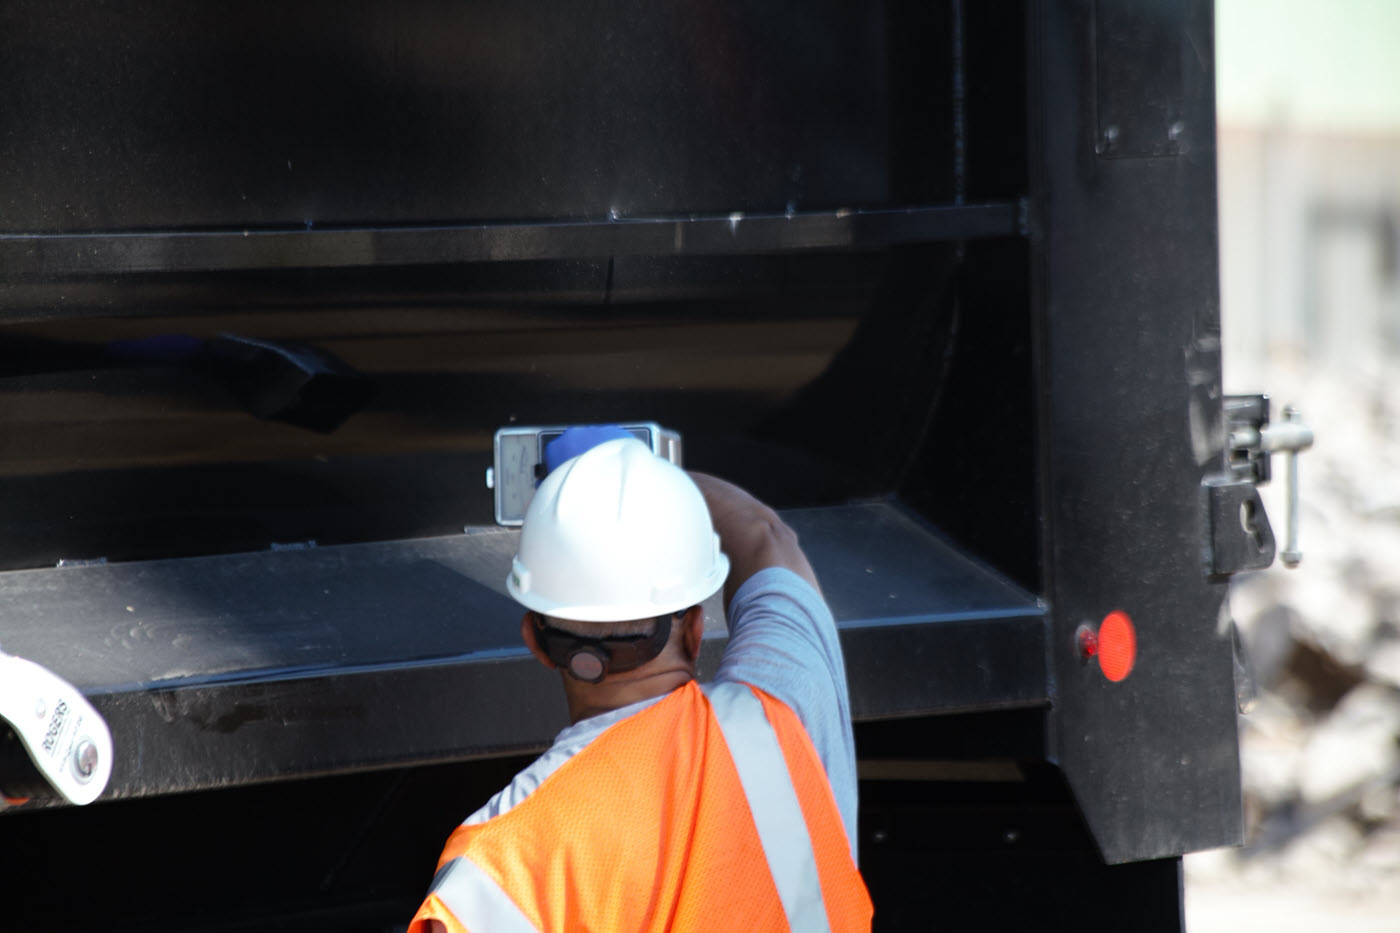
[(938, 280)]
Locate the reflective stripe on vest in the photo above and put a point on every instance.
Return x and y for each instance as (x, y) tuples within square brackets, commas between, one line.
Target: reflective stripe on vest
[(777, 814), (476, 901)]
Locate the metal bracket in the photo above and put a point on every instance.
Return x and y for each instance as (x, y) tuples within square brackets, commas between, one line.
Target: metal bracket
[(1239, 536), (1253, 441), (1248, 417), (518, 465)]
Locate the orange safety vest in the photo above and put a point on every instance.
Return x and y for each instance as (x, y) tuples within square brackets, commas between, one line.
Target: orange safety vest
[(708, 810)]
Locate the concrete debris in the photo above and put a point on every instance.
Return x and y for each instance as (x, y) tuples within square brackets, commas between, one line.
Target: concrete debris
[(1381, 856), (1320, 748), (1327, 846), (1352, 746), (1383, 665)]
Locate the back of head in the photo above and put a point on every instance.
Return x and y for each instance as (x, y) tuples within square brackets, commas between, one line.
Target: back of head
[(616, 533)]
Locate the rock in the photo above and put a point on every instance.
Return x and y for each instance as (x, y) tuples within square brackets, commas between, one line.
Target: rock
[(1269, 772), (1313, 680), (1325, 848), (1355, 744), (1271, 741), (1336, 617), (1380, 854), (1269, 642), (1379, 803), (1382, 665)]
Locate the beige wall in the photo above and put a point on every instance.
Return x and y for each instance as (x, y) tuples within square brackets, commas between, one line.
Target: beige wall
[(1310, 273), (1308, 98)]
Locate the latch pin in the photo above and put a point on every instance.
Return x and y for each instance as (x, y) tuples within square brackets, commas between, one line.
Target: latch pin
[(1291, 436)]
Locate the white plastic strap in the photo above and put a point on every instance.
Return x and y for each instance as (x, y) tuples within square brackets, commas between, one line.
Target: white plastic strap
[(777, 814), (63, 733), (477, 901)]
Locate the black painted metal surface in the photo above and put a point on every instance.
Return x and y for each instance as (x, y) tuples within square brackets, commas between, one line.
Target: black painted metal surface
[(1002, 855), (108, 458), (172, 115), (1130, 365), (220, 671), (852, 251), (37, 256)]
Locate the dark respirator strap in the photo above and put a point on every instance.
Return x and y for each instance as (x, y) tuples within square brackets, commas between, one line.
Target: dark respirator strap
[(592, 659)]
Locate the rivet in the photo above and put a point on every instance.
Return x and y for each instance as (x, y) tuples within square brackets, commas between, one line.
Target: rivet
[(85, 759)]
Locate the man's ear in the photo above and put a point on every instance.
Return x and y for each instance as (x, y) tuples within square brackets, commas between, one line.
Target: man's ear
[(693, 631), (527, 635)]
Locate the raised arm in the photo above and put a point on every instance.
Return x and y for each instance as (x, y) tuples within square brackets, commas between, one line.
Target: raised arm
[(752, 534), (782, 637)]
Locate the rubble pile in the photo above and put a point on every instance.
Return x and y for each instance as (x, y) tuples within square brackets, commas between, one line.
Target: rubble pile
[(1320, 743)]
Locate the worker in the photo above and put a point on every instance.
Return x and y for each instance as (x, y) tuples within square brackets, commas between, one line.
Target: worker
[(666, 805)]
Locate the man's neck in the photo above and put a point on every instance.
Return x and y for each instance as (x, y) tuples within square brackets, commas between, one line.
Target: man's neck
[(588, 700)]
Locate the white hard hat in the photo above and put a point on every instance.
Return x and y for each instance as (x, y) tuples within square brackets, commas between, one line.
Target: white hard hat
[(616, 533)]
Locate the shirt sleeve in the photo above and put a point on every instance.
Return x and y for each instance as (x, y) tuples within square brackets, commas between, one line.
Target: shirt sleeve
[(783, 640)]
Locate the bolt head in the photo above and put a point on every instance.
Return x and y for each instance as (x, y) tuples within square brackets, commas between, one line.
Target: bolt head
[(85, 758), (1086, 640)]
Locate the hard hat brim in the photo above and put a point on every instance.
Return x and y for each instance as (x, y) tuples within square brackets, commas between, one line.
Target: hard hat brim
[(684, 599)]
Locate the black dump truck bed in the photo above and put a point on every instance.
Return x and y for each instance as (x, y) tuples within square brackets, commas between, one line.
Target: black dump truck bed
[(937, 280)]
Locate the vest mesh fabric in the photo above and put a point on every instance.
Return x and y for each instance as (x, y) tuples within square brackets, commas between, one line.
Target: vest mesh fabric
[(648, 829)]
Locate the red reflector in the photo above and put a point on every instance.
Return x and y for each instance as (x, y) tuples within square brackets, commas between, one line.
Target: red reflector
[(1117, 646)]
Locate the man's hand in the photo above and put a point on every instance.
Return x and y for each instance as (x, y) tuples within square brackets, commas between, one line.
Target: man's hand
[(751, 533)]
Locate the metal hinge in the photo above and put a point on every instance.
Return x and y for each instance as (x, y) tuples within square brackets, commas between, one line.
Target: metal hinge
[(1240, 535)]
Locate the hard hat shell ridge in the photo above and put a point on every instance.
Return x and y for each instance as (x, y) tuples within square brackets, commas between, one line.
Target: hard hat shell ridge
[(616, 533)]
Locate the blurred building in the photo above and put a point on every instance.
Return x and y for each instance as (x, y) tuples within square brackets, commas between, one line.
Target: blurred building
[(1309, 160)]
